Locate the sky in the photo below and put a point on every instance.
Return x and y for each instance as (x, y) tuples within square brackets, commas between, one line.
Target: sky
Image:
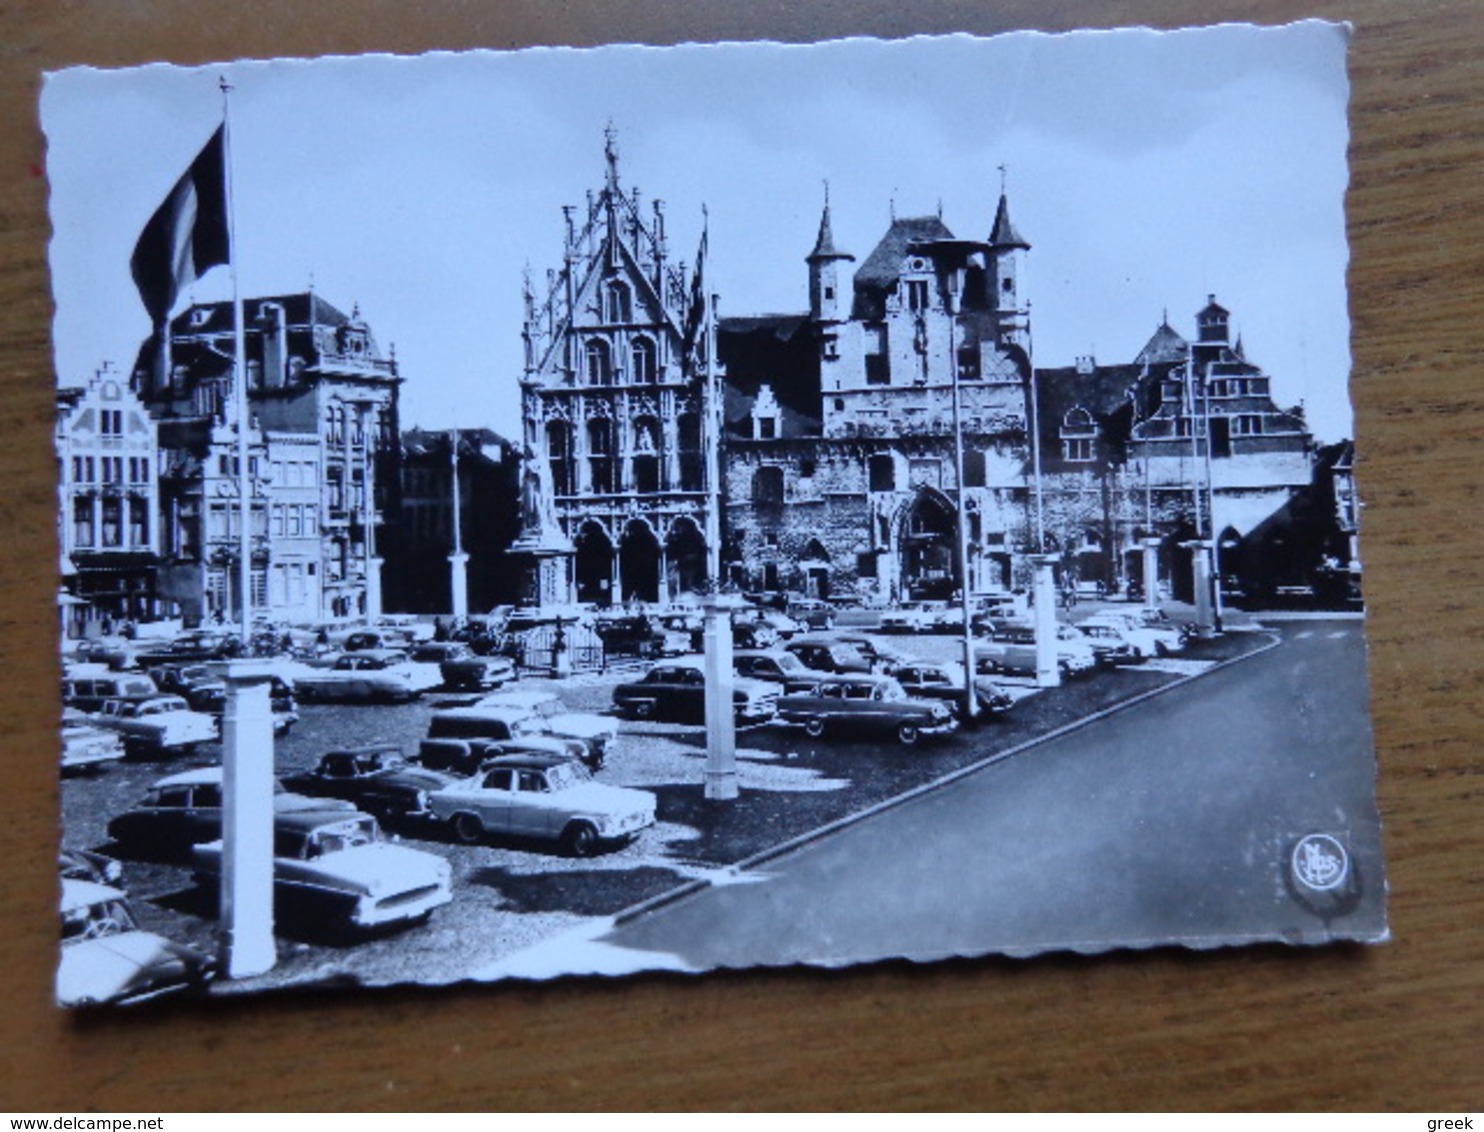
[(1147, 170)]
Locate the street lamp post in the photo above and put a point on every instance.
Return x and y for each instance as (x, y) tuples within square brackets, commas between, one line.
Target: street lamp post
[(971, 702), (246, 895), (458, 561)]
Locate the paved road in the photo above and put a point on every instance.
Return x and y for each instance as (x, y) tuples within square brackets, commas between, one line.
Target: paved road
[(1174, 820)]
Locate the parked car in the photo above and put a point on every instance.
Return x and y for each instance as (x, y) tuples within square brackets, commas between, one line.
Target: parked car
[(1109, 642), (376, 779), (918, 617), (641, 636), (84, 864), (205, 644), (86, 746), (811, 612), (462, 667), (1142, 643), (88, 692), (372, 676), (775, 619), (546, 714), (157, 726), (463, 757), (777, 666), (186, 808), (855, 705), (1151, 625), (1011, 649), (675, 692), (335, 870), (107, 958), (201, 688), (828, 655), (546, 798), (945, 682), (749, 634), (883, 656), (586, 738)]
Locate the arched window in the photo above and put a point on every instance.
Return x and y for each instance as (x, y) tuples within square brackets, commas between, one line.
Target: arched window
[(643, 369), (1079, 433), (599, 362), (618, 306)]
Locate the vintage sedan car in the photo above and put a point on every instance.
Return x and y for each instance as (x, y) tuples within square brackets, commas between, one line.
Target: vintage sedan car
[(89, 691), (1142, 643), (334, 870), (777, 666), (157, 726), (917, 617), (753, 634), (641, 636), (84, 864), (547, 798), (463, 757), (372, 676), (1011, 649), (186, 808), (498, 724), (1110, 643), (107, 958), (376, 779), (546, 714), (828, 655), (811, 612), (198, 685), (205, 644), (945, 682), (675, 692), (86, 746), (1154, 634), (462, 668), (855, 705)]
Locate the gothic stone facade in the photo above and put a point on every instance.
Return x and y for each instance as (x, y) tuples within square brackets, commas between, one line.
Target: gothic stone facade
[(615, 403)]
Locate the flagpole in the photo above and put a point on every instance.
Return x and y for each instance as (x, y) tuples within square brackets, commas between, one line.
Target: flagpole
[(239, 383)]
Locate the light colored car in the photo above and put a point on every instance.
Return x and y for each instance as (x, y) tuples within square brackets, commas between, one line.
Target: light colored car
[(371, 676), (546, 798), (85, 746), (1167, 636), (107, 958), (916, 617), (158, 725), (1011, 649), (545, 714), (462, 667), (334, 870), (1142, 643)]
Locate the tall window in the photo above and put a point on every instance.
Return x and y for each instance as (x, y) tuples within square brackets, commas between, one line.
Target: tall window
[(82, 522), (883, 473), (917, 294), (599, 362), (600, 455), (559, 454), (618, 307), (692, 455), (1078, 436), (643, 367), (138, 522), (767, 485)]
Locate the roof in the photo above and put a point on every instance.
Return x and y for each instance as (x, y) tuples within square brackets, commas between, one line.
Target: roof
[(824, 246), (1165, 345), (878, 274), (529, 762), (1003, 234), (778, 350)]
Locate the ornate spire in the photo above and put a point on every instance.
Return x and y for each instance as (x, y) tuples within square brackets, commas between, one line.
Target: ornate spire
[(610, 152), (1003, 234), (824, 246)]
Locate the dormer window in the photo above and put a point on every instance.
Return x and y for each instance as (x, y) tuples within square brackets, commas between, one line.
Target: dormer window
[(1079, 433), (765, 414), (618, 305), (917, 294)]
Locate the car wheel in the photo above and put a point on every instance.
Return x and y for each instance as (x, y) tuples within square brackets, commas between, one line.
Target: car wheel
[(642, 709), (580, 839), (907, 734), (468, 828), (814, 727)]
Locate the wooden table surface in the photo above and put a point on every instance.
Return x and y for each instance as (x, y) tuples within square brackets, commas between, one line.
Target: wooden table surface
[(1398, 1026)]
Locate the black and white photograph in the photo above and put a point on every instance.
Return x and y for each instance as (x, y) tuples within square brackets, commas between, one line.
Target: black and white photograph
[(590, 511)]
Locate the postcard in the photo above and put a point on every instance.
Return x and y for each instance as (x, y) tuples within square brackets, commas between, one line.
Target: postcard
[(726, 505)]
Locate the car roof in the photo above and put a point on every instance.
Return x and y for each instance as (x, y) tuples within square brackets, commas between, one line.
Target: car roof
[(83, 893), (527, 761), (309, 820), (516, 698), (506, 713), (205, 774), (857, 678)]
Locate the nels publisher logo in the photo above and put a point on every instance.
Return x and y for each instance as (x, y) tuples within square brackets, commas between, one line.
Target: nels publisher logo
[(1320, 863)]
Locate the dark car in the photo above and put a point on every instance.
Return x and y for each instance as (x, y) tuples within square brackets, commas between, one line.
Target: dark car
[(194, 683), (777, 666), (205, 644), (828, 656), (675, 692), (640, 636), (184, 809), (946, 683), (375, 779), (866, 705)]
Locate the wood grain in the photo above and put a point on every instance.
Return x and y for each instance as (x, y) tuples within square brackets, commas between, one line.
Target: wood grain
[(1394, 1027)]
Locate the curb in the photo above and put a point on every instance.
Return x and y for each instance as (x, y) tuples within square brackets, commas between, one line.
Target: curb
[(690, 887)]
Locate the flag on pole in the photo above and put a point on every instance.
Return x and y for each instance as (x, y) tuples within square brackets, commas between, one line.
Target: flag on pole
[(187, 235)]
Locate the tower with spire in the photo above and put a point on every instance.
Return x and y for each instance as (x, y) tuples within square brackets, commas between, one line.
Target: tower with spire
[(614, 404), (825, 264), (1007, 251)]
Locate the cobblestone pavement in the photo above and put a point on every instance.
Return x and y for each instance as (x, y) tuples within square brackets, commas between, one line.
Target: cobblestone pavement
[(507, 897)]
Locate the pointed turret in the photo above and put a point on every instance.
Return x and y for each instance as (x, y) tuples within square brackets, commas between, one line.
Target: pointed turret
[(1003, 235), (1007, 249), (824, 272)]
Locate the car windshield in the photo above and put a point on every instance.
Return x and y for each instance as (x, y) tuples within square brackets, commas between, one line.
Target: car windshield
[(334, 839), (107, 917), (563, 776)]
